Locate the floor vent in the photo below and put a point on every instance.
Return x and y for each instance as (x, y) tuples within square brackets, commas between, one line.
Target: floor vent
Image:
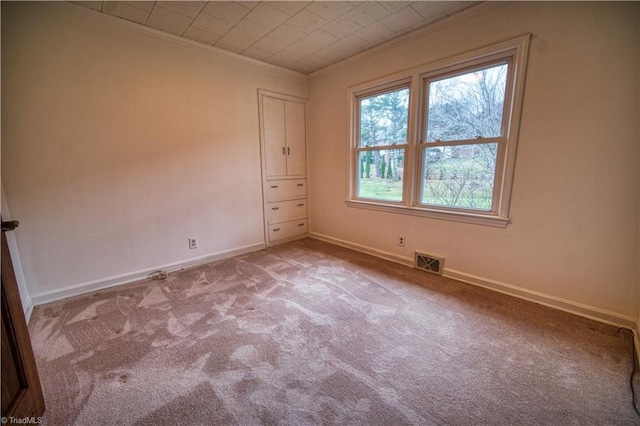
[(429, 263)]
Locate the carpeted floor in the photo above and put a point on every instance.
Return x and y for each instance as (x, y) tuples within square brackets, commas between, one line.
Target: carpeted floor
[(311, 333)]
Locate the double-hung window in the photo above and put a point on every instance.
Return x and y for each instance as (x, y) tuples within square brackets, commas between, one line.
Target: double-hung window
[(440, 140), (463, 140), (382, 143)]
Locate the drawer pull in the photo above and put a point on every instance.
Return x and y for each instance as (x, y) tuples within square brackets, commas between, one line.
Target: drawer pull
[(301, 205), (301, 224), (283, 150), (274, 186), (276, 229), (275, 208), (301, 184)]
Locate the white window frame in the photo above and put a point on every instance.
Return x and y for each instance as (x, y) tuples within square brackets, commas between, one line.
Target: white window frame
[(357, 149), (514, 51)]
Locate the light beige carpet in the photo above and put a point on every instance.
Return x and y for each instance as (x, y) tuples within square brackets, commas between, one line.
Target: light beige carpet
[(310, 333)]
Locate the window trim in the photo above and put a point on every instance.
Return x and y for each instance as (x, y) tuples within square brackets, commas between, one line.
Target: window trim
[(514, 51)]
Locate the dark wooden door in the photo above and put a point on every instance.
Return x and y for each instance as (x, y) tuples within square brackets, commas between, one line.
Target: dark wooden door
[(21, 390)]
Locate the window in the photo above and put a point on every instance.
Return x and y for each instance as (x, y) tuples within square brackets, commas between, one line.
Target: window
[(381, 145), (440, 140), (464, 122)]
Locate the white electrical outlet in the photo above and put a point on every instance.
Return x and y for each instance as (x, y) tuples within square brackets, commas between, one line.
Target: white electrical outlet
[(193, 243), (401, 241)]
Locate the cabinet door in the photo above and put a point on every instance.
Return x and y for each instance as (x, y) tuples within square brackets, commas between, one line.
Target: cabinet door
[(295, 135), (274, 137)]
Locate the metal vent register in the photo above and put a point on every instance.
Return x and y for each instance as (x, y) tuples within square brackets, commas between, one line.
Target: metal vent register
[(429, 263)]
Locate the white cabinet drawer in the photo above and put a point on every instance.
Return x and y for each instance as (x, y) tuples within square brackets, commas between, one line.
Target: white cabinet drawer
[(279, 231), (279, 190), (286, 210)]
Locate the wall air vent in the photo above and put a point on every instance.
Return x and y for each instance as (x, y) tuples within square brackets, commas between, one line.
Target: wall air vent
[(429, 263)]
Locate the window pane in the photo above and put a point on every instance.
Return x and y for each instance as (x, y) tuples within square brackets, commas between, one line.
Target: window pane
[(459, 176), (383, 118), (467, 106), (380, 174)]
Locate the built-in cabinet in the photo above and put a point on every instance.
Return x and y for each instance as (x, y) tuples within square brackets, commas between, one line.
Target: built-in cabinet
[(284, 166)]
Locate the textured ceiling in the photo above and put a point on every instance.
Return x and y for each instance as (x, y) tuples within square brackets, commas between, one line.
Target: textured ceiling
[(302, 36)]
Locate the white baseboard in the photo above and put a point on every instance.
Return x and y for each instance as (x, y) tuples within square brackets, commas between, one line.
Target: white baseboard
[(87, 287), (364, 249), (591, 312), (561, 304)]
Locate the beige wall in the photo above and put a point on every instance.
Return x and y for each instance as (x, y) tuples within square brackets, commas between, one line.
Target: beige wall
[(574, 210), (118, 145)]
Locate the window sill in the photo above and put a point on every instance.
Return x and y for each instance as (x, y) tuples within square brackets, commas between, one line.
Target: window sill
[(465, 217)]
